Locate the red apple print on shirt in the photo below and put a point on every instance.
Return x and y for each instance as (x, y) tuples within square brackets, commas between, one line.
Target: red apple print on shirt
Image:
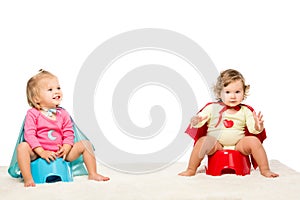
[(228, 123)]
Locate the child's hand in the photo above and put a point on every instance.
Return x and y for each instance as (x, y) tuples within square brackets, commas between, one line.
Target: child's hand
[(48, 155), (259, 122), (63, 151), (197, 119)]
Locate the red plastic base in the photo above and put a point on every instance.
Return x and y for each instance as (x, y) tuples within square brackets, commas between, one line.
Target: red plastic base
[(228, 162)]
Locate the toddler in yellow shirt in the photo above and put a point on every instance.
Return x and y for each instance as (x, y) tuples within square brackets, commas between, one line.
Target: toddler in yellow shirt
[(227, 123)]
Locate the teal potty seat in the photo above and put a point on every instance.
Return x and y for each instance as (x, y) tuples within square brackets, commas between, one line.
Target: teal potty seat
[(57, 170)]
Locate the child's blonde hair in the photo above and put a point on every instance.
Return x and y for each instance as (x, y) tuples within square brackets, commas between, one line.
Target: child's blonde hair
[(226, 77), (33, 87)]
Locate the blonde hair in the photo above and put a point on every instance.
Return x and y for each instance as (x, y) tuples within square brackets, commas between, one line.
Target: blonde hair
[(33, 87), (226, 77)]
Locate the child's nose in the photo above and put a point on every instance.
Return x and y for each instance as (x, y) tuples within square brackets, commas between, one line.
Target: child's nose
[(232, 95)]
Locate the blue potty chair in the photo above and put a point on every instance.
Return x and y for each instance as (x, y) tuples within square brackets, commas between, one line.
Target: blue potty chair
[(57, 170)]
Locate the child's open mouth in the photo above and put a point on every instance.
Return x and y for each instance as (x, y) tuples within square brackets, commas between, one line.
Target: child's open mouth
[(56, 97)]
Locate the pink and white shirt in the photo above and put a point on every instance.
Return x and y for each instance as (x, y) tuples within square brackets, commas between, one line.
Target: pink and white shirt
[(40, 131)]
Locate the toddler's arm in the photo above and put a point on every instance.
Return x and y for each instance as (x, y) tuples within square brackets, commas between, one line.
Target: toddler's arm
[(197, 119), (259, 122)]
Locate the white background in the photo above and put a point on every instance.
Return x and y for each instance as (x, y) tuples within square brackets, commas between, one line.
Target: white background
[(261, 39)]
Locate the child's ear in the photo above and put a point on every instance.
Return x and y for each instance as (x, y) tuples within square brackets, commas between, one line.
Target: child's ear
[(247, 88), (36, 100)]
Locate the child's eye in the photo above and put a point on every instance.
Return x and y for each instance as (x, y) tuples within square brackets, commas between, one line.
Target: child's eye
[(237, 92), (50, 89), (58, 88), (227, 92)]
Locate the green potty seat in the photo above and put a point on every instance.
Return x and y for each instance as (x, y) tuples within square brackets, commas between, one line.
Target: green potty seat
[(57, 170)]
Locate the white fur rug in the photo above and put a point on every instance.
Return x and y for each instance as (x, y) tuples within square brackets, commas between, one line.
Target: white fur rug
[(164, 184)]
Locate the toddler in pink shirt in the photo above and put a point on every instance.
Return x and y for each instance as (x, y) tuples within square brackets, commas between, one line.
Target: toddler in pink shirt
[(48, 130)]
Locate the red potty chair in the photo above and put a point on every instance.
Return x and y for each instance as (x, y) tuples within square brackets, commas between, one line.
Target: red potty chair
[(228, 162)]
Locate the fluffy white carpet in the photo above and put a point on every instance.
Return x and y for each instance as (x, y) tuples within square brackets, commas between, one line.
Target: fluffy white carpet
[(164, 184)]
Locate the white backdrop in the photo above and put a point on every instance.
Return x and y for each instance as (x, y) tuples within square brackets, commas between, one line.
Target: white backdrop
[(259, 38)]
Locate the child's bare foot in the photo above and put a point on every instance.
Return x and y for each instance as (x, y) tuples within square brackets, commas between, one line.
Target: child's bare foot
[(269, 174), (98, 177), (29, 183), (188, 172)]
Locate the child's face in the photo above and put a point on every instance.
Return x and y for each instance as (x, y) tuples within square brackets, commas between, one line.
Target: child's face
[(233, 93), (50, 94)]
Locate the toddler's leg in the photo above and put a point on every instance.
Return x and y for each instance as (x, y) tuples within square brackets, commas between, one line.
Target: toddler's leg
[(204, 146), (251, 145), (85, 148), (24, 157)]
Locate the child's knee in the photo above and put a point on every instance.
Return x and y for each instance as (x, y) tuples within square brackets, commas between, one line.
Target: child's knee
[(23, 146), (253, 141), (248, 144), (84, 144), (201, 140)]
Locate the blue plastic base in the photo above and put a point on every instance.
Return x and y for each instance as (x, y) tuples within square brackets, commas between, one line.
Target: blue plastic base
[(44, 172)]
